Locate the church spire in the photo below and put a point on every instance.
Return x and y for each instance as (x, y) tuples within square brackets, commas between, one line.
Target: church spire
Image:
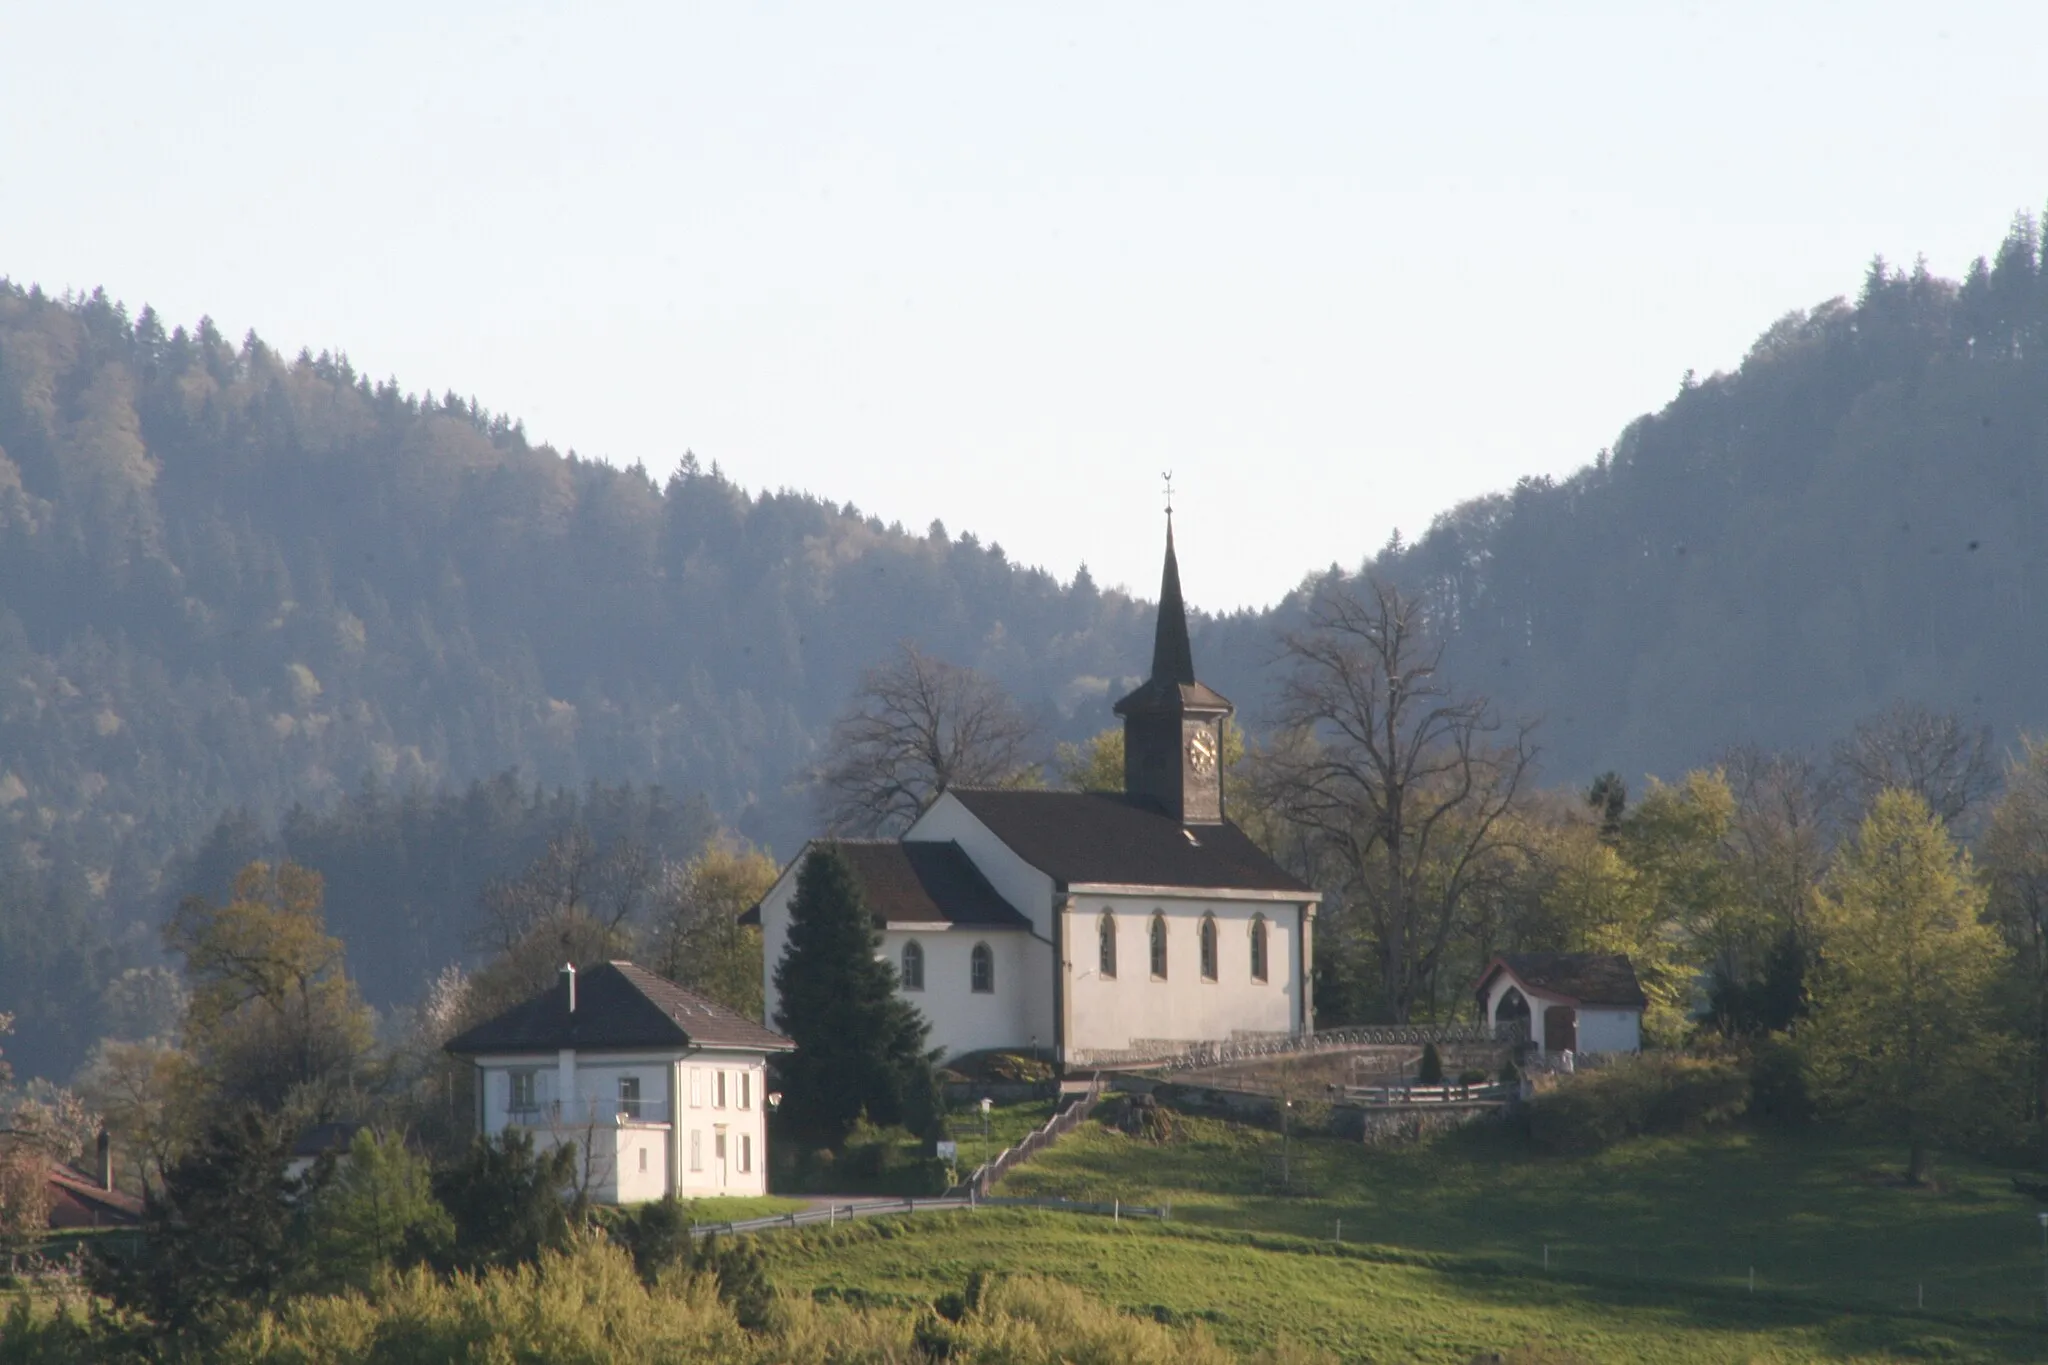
[(1173, 658), (1173, 725)]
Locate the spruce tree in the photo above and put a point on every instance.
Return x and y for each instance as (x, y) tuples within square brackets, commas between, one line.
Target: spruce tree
[(859, 1045)]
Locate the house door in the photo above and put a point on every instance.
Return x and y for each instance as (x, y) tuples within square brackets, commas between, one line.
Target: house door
[(718, 1154), (1560, 1029)]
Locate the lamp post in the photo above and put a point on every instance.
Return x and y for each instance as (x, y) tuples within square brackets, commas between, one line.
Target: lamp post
[(986, 1105)]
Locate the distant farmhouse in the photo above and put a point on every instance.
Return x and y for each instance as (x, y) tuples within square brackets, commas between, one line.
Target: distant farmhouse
[(1094, 927), (663, 1091)]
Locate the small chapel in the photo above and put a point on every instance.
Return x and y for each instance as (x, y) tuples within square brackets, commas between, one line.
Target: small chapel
[(1092, 928)]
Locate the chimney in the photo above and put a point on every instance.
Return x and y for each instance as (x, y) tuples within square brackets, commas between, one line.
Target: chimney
[(569, 985), (106, 1152)]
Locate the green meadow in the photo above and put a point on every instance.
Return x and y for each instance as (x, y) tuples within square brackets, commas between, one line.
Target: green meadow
[(1650, 1248)]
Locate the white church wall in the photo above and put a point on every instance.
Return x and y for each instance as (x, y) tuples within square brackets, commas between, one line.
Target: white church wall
[(1027, 889), (966, 1020), (1112, 1014), (775, 932)]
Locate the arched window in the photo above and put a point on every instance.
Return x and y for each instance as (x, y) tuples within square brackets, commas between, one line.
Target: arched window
[(1105, 939), (913, 966), (1208, 947), (1258, 947), (982, 969), (1158, 945)]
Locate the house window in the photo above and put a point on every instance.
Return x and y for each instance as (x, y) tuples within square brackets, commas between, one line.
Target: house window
[(629, 1096), (643, 1158), (696, 1087), (1105, 938), (1208, 942), (1258, 947), (525, 1095), (696, 1149), (746, 1089), (718, 1090), (982, 969), (913, 966), (1158, 946), (746, 1152)]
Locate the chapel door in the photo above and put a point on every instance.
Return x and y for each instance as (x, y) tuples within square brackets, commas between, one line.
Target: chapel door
[(1560, 1029)]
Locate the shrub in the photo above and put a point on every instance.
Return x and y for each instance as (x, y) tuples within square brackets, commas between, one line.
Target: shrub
[(1777, 1081), (1637, 1096), (657, 1236), (1431, 1071)]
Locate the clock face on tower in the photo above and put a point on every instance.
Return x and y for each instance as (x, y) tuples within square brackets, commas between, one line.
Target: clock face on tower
[(1202, 753)]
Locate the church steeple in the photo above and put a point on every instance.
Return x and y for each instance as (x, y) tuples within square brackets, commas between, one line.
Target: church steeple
[(1173, 658), (1173, 725)]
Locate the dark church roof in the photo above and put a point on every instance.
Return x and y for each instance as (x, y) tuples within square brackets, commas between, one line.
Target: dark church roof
[(1079, 838), (922, 883), (1172, 686), (1582, 978), (618, 1005)]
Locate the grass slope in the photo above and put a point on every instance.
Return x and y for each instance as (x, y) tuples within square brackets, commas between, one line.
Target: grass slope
[(1813, 1215), (1254, 1289)]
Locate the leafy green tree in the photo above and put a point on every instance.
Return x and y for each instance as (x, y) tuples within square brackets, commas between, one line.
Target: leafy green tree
[(1903, 1037), (507, 1201), (273, 1018), (859, 1045), (699, 941), (219, 1240), (2015, 849), (374, 1207)]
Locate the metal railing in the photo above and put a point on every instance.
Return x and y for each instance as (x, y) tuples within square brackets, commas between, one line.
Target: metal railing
[(1491, 1092), (1199, 1055), (1065, 1121)]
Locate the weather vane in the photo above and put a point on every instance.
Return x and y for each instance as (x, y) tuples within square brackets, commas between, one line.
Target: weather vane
[(1168, 477)]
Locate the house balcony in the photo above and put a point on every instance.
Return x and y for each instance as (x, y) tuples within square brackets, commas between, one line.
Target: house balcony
[(558, 1115)]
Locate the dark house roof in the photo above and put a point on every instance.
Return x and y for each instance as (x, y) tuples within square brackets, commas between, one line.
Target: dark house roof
[(1104, 837), (1583, 978), (934, 883), (618, 1005), (79, 1201), (926, 884)]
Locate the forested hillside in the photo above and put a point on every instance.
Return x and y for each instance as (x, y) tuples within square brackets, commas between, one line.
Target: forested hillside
[(232, 581), (1853, 516), (233, 584)]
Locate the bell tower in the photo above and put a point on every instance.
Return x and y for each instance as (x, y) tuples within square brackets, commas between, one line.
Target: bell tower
[(1173, 725)]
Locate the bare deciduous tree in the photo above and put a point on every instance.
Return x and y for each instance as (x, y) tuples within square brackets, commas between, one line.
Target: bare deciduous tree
[(917, 726), (1399, 784), (575, 904), (1932, 754)]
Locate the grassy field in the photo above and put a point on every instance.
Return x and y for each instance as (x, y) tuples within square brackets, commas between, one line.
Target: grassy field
[(1812, 1215), (1253, 1289), (739, 1208)]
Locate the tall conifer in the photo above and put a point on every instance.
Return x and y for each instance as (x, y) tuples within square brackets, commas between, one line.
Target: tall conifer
[(860, 1046)]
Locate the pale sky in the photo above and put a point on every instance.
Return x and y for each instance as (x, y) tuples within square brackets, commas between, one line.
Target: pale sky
[(1338, 266)]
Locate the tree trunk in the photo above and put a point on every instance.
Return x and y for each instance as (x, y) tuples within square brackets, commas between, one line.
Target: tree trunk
[(1919, 1162)]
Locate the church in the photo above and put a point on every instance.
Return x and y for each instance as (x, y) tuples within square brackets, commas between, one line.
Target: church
[(1091, 927)]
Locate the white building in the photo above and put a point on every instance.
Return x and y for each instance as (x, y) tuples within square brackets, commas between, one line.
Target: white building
[(662, 1090), (1092, 926), (1567, 1002)]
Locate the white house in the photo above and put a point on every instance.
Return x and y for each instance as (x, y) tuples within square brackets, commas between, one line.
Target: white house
[(1091, 926), (1568, 1002), (663, 1090)]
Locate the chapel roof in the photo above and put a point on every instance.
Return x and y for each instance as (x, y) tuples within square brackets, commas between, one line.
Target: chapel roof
[(618, 1005), (1079, 838), (1581, 978)]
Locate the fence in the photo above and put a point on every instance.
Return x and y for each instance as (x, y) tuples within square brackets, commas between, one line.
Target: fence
[(1495, 1092), (1065, 1121), (834, 1214), (1194, 1056)]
